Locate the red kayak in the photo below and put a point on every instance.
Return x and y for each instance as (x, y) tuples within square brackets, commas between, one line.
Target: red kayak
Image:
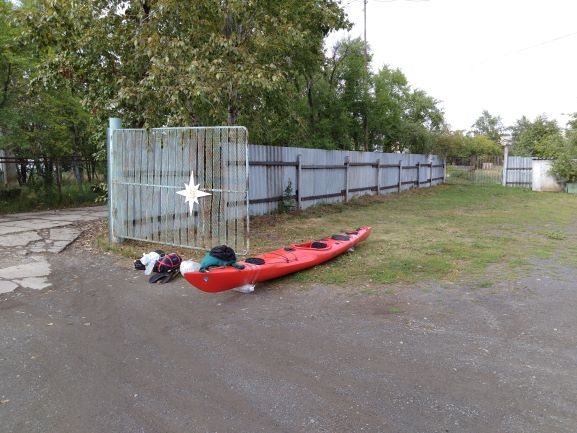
[(276, 263)]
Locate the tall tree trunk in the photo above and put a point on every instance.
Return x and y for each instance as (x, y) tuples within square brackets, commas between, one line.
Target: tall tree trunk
[(58, 178), (311, 103), (77, 170), (22, 172), (48, 173), (88, 165)]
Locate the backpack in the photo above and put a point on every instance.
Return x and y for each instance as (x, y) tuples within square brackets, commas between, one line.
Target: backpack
[(169, 263)]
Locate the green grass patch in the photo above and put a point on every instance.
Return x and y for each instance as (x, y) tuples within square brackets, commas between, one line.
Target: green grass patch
[(444, 233), (447, 233)]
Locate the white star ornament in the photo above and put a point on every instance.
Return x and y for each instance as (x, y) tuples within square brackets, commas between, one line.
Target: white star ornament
[(192, 192)]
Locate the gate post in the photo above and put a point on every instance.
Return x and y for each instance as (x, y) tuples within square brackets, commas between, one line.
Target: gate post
[(113, 123), (347, 165), (400, 185), (505, 165), (378, 176), (299, 183)]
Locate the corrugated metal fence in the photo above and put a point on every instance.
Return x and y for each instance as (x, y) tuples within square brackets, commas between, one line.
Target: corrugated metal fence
[(328, 176), (519, 172)]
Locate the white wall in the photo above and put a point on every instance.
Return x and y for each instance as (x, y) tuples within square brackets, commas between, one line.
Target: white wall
[(542, 179)]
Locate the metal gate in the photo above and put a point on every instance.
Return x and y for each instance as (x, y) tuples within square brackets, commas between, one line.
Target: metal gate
[(479, 170), (148, 167)]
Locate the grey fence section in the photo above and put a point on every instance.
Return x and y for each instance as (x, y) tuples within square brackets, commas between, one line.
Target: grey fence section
[(519, 172), (320, 176), (148, 167)]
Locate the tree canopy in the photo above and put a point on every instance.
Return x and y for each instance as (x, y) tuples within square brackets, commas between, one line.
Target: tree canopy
[(212, 62), (261, 64)]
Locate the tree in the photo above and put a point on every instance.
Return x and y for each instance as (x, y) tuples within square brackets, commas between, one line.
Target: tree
[(162, 62), (450, 144), (541, 138), (387, 115), (490, 126), (36, 122), (481, 145)]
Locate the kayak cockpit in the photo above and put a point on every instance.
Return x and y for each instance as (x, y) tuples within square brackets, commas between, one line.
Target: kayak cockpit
[(314, 245)]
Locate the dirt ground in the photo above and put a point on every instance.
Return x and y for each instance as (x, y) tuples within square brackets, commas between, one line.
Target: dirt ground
[(105, 351)]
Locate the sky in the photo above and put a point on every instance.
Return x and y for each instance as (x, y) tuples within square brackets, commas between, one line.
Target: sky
[(510, 57)]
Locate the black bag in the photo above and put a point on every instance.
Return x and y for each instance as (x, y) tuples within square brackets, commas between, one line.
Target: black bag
[(223, 252)]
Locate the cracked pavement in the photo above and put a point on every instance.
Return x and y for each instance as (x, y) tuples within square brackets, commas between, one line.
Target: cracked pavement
[(27, 239)]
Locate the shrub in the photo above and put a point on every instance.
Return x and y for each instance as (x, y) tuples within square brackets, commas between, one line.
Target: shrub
[(9, 193), (565, 169)]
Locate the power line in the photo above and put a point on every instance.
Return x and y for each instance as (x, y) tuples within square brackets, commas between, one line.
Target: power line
[(558, 38), (530, 47)]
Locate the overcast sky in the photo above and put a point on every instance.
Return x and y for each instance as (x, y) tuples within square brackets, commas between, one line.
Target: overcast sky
[(511, 57)]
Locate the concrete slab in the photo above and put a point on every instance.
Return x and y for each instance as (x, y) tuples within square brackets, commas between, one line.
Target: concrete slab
[(7, 230), (36, 224), (64, 234), (19, 239), (36, 267), (7, 286), (35, 233), (58, 246), (35, 283)]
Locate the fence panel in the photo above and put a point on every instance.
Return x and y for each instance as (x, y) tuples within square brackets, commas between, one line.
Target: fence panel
[(331, 176), (519, 172)]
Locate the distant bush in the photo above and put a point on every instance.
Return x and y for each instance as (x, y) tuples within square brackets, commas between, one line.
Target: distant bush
[(565, 169), (9, 193)]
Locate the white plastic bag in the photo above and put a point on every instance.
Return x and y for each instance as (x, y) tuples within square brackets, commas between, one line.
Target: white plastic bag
[(247, 288), (149, 260), (189, 266)]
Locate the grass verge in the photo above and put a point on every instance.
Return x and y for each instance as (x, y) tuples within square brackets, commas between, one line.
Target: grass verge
[(444, 233)]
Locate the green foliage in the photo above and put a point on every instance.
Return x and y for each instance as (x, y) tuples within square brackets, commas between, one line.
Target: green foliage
[(489, 126), (101, 191), (36, 121), (288, 202), (565, 168), (35, 197), (458, 145), (482, 145), (208, 62), (8, 194), (163, 62), (541, 138)]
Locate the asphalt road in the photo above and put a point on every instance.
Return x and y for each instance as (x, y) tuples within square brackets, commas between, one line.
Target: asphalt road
[(102, 350)]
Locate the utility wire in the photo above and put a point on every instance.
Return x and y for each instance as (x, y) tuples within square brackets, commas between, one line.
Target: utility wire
[(558, 38), (530, 47)]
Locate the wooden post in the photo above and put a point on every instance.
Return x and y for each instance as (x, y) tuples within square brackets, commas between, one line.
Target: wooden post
[(444, 170), (299, 188), (419, 174), (431, 173), (379, 176), (347, 165), (400, 186)]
